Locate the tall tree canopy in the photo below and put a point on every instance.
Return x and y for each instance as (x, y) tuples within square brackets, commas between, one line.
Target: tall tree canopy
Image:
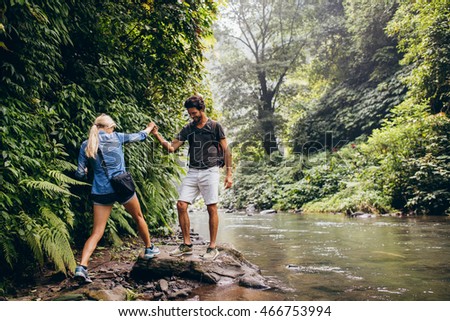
[(262, 42)]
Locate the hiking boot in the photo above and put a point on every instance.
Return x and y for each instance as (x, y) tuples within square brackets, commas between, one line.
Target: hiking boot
[(150, 252), (183, 249), (211, 254), (81, 275)]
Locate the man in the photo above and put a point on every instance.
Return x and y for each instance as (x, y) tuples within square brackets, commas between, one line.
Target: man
[(204, 136)]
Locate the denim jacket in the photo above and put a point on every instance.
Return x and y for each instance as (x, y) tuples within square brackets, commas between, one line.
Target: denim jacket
[(111, 148)]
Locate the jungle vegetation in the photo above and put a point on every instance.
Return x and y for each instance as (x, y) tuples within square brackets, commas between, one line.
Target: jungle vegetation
[(64, 62), (360, 118), (334, 106)]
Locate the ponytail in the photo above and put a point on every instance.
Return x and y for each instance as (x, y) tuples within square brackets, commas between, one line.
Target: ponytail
[(92, 144), (102, 121)]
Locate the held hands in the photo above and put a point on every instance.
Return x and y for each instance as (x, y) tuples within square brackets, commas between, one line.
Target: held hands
[(152, 128)]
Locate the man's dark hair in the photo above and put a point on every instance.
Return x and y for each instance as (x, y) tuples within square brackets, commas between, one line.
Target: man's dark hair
[(195, 101)]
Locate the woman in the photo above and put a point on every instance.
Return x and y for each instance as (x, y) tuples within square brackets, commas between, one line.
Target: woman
[(104, 150)]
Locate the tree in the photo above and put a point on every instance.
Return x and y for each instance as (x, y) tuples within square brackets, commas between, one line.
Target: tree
[(262, 42)]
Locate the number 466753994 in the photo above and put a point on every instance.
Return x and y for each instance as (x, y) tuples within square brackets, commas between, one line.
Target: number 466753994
[(294, 310)]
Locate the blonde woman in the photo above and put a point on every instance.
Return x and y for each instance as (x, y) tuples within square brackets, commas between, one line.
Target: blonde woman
[(104, 150)]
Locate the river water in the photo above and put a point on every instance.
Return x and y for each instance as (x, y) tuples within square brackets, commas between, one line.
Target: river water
[(334, 257)]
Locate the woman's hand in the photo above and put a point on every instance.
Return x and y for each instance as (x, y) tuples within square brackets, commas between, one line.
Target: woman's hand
[(150, 127)]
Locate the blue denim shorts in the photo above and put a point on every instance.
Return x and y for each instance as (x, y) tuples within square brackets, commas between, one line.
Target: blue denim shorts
[(110, 199)]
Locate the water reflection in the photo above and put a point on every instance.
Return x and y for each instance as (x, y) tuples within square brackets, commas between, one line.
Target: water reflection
[(332, 257)]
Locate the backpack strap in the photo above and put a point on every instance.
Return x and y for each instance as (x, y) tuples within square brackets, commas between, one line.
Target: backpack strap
[(215, 130)]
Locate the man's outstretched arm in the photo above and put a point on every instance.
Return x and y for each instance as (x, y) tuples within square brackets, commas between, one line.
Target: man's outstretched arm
[(171, 147)]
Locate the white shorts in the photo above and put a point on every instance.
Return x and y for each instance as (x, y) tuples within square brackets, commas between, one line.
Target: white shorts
[(200, 181)]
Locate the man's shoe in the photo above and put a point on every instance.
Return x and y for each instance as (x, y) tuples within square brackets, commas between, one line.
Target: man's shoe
[(81, 275), (151, 252), (183, 249), (211, 254)]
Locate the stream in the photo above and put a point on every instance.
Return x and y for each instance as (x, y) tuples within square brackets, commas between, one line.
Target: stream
[(334, 257)]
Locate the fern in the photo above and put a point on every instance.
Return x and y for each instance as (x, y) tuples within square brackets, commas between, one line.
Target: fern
[(119, 216), (54, 221), (8, 250), (113, 234), (57, 247), (47, 239), (64, 165), (60, 177), (45, 186), (31, 236)]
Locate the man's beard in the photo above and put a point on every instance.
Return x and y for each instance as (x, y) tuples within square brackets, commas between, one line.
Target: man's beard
[(196, 120)]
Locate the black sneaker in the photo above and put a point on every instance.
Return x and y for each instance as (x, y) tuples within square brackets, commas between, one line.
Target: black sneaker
[(81, 275)]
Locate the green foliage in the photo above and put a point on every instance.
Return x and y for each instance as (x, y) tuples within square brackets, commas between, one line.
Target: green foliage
[(350, 200), (353, 74), (422, 28), (63, 63), (348, 112), (403, 166), (285, 183), (408, 160)]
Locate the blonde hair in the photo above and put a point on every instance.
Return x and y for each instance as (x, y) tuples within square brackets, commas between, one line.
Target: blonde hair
[(102, 121)]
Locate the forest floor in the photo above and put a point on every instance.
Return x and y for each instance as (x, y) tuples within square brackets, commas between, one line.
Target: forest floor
[(111, 269)]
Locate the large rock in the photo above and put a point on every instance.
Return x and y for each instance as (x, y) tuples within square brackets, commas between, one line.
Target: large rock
[(229, 267)]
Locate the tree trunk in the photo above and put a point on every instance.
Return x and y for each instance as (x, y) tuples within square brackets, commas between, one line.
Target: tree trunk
[(267, 123)]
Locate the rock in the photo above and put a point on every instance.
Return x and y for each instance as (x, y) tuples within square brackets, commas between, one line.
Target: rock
[(254, 281), (268, 212), (180, 293), (250, 209), (360, 214), (229, 267), (163, 285), (119, 293), (71, 297)]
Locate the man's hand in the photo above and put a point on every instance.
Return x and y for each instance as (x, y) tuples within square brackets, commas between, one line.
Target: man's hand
[(155, 130), (228, 182)]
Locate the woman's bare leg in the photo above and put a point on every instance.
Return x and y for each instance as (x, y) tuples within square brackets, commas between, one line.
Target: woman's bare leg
[(134, 208), (101, 215)]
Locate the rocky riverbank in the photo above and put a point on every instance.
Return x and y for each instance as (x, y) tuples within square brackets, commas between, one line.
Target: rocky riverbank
[(122, 274)]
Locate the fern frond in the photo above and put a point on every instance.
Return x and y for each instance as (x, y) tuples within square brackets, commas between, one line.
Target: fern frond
[(118, 217), (31, 236), (45, 186), (60, 177), (113, 234), (68, 215), (57, 247), (64, 165), (54, 221), (46, 239), (8, 250)]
